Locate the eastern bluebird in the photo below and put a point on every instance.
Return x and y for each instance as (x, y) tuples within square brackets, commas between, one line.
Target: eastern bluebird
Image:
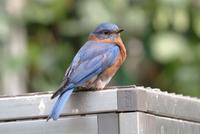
[(93, 66)]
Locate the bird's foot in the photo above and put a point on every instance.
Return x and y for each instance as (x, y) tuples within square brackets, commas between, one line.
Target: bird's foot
[(78, 89)]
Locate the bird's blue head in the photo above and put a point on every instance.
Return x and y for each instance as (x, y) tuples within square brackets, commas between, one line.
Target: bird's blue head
[(107, 30)]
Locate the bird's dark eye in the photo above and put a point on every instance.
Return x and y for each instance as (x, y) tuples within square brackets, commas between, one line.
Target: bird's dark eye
[(106, 32)]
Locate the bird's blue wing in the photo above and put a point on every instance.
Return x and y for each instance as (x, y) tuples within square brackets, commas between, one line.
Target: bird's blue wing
[(92, 59)]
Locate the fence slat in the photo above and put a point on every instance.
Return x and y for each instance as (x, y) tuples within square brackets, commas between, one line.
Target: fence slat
[(70, 125), (142, 123)]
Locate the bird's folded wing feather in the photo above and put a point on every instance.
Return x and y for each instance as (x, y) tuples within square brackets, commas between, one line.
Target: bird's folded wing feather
[(92, 59)]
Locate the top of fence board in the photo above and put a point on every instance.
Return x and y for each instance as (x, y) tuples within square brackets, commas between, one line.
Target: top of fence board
[(114, 99)]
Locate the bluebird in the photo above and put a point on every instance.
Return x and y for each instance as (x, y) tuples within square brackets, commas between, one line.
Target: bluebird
[(93, 66)]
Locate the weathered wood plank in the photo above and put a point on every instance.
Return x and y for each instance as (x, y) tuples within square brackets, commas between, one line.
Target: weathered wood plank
[(143, 123), (154, 101), (116, 99), (69, 125), (108, 123), (40, 105)]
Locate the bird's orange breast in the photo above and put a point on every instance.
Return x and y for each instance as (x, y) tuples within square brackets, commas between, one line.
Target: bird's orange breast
[(120, 58)]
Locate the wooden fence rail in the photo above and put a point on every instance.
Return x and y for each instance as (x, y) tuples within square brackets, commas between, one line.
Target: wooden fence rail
[(118, 110)]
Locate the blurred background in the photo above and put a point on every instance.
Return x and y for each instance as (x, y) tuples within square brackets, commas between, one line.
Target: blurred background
[(38, 39)]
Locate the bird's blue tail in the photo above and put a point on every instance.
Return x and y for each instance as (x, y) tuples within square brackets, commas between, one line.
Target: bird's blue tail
[(59, 105)]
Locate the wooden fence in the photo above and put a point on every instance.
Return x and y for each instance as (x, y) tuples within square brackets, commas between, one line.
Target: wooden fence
[(118, 110)]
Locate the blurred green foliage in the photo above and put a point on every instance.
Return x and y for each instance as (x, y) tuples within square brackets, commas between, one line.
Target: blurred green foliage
[(162, 38)]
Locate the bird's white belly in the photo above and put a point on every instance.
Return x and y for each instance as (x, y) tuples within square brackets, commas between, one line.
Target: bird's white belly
[(97, 83), (100, 84)]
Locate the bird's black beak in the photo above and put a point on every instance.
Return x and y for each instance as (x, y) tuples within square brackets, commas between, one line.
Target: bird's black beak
[(120, 30)]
